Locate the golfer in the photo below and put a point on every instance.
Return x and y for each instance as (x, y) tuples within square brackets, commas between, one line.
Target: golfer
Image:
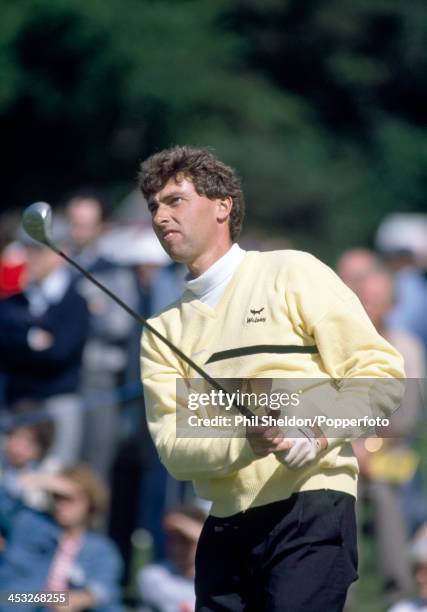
[(281, 535)]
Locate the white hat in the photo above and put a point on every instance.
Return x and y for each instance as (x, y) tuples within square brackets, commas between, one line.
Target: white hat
[(404, 231), (133, 246)]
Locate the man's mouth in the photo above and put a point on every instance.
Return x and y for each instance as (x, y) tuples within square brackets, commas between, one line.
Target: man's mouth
[(168, 234)]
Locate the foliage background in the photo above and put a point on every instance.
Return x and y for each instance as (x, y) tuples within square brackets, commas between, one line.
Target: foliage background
[(320, 104)]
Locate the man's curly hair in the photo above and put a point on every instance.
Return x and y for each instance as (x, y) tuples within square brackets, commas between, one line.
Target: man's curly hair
[(211, 178)]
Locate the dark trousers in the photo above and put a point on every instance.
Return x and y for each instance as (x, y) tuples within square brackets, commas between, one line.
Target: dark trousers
[(296, 555)]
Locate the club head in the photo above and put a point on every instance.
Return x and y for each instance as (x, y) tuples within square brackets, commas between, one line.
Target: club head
[(37, 222)]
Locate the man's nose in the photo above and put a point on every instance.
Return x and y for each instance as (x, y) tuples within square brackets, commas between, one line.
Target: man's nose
[(161, 216)]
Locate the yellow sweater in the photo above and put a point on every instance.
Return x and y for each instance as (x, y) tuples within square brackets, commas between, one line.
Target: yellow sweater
[(283, 299)]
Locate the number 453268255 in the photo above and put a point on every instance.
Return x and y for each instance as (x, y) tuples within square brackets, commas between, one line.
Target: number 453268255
[(45, 597)]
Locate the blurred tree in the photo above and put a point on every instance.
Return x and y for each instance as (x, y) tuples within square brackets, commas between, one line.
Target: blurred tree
[(359, 66), (321, 104), (89, 87)]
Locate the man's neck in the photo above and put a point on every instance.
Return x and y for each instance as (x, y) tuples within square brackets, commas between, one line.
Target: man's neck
[(209, 286), (205, 261)]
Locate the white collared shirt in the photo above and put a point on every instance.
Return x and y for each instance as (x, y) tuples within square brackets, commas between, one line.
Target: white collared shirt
[(209, 286), (50, 291)]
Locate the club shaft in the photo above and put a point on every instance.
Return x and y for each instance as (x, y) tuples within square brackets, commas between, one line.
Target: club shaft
[(215, 384)]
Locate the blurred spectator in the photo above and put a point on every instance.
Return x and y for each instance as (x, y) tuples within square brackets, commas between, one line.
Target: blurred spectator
[(409, 312), (12, 256), (158, 287), (141, 482), (418, 560), (157, 489), (12, 269), (61, 552), (25, 450), (169, 586), (404, 232), (354, 264), (384, 472), (402, 238), (43, 330), (377, 294), (87, 212), (105, 358)]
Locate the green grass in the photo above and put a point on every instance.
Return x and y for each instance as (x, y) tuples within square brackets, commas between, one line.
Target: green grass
[(368, 596)]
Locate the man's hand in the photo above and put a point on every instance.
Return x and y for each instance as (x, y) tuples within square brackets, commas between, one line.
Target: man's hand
[(265, 440), (39, 339), (296, 449), (305, 447)]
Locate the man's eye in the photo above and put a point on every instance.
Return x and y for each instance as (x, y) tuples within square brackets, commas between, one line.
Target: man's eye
[(152, 208)]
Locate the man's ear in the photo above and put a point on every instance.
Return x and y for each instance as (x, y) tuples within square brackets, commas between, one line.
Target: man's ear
[(224, 207)]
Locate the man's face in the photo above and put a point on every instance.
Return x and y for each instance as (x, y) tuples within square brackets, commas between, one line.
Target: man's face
[(22, 447), (188, 225), (85, 219), (71, 507)]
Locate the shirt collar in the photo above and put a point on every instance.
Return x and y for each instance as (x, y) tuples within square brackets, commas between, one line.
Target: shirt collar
[(219, 272), (50, 291)]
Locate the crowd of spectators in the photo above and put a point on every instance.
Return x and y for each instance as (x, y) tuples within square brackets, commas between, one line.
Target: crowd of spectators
[(73, 427), (72, 412)]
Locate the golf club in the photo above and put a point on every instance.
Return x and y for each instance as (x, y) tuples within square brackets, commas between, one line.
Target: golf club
[(37, 223)]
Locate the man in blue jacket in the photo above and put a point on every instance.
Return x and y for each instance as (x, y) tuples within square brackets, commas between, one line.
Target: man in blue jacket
[(42, 334)]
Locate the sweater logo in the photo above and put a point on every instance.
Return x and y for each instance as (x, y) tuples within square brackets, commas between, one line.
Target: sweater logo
[(256, 316)]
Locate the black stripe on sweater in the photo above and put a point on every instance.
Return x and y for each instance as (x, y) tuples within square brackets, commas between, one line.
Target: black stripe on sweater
[(262, 348)]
